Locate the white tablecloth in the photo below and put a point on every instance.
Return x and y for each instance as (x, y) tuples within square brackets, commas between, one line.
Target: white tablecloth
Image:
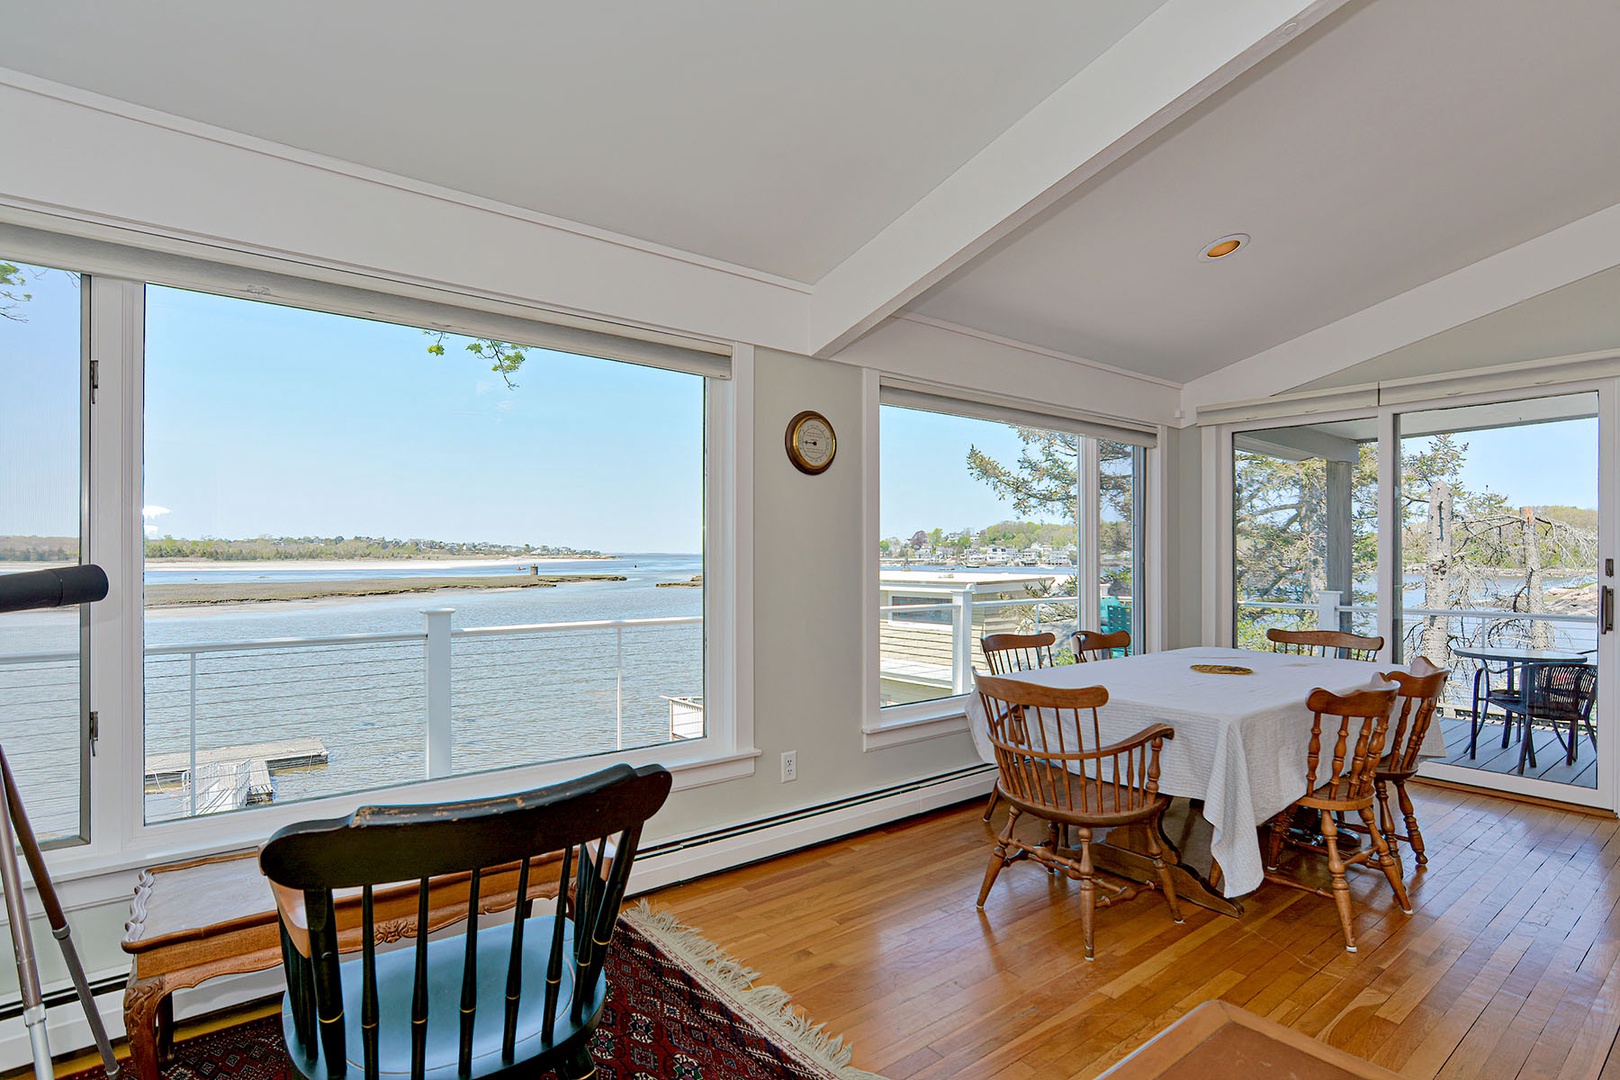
[(1240, 740)]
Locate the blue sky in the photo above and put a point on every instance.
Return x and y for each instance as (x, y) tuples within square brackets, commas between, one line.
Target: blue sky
[(263, 419), (269, 420)]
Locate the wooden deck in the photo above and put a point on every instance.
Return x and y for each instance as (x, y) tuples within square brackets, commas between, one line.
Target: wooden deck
[(1508, 968), (1492, 757)]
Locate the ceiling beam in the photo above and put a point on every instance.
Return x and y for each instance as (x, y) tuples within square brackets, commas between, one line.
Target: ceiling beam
[(1584, 247), (1177, 57)]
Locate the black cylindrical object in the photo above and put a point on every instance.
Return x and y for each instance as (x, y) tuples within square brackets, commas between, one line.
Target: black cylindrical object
[(52, 588)]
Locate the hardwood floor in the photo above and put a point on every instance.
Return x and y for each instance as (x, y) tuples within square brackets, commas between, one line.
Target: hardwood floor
[(1508, 968)]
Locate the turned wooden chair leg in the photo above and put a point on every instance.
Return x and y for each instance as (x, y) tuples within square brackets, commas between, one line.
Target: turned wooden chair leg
[(1414, 835), (1387, 862), (990, 806), (1341, 887), (1386, 820), (1162, 868), (998, 856), (1279, 826), (1088, 894)]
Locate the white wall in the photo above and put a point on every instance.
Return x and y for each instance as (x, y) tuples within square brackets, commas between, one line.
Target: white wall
[(1184, 553), (86, 165)]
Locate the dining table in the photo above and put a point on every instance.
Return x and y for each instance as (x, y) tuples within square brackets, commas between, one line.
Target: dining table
[(1240, 741)]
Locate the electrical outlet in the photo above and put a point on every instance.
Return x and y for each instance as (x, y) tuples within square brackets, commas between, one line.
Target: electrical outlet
[(790, 766)]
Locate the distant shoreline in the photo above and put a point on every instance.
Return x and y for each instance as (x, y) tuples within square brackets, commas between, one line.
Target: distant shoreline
[(189, 594)]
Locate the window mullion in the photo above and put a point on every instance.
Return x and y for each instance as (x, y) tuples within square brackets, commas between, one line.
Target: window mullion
[(116, 324)]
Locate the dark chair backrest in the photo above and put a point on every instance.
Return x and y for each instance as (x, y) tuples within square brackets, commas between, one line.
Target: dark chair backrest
[(1358, 743), (594, 821), (1563, 691), (1096, 645), (1328, 643), (1416, 698), (1007, 653)]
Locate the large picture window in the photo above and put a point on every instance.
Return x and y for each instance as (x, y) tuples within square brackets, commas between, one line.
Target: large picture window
[(1305, 530), (992, 527), (43, 722), (376, 555)]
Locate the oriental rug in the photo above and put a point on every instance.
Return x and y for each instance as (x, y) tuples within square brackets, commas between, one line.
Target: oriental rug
[(678, 1008)]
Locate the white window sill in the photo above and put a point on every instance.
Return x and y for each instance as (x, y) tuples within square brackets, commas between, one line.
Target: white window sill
[(900, 725)]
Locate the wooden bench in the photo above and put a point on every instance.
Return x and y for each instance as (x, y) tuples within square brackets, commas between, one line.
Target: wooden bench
[(191, 921)]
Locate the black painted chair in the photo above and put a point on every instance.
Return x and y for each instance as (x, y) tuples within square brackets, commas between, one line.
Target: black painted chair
[(1558, 694), (510, 998)]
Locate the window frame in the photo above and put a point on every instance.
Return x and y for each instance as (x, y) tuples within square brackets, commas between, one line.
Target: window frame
[(117, 838), (1421, 395), (898, 725)]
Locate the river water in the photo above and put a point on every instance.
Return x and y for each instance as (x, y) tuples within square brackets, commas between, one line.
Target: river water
[(516, 698)]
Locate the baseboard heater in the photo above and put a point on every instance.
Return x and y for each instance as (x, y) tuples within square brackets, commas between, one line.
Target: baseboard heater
[(731, 832), (66, 996), (12, 1009)]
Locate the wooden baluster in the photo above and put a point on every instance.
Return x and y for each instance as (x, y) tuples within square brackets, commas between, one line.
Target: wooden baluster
[(600, 924), (469, 977), (300, 995), (548, 1019), (323, 950), (419, 994), (368, 985), (514, 965)]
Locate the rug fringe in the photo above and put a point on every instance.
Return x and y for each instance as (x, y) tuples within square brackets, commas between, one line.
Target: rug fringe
[(770, 1005)]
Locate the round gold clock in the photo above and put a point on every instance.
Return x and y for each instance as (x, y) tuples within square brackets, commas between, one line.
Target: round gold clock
[(811, 442)]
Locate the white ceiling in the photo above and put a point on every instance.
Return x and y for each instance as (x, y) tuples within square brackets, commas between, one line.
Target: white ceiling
[(775, 136), (1398, 142), (868, 148), (1579, 318)]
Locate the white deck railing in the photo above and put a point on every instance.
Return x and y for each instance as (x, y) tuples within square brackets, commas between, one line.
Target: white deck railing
[(419, 679)]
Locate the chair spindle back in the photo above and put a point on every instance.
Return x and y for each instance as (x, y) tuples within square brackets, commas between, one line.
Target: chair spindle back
[(1363, 714), (1416, 698), (1333, 644), (1096, 645), (1009, 653), (595, 822), (1048, 746)]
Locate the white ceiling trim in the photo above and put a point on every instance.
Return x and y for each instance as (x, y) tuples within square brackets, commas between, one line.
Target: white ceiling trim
[(100, 166), (997, 339), (972, 365), (185, 126), (1172, 61), (1550, 261)]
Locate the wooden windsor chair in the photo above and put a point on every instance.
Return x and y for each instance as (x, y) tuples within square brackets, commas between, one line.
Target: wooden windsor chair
[(1096, 645), (519, 998), (1008, 654), (1328, 643), (1052, 765), (1417, 696), (1347, 786)]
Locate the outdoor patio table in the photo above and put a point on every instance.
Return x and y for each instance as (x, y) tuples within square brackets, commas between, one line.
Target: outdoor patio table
[(1514, 657), (1240, 741)]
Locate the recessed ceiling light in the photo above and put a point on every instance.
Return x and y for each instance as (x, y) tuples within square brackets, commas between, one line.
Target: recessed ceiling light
[(1220, 249)]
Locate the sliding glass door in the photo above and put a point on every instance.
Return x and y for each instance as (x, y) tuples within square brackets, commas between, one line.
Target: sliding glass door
[(1476, 533), (1305, 529), (1500, 584)]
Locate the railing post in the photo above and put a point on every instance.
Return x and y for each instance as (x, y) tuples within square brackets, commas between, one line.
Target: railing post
[(1327, 609), (191, 775), (438, 690), (618, 688), (962, 640)]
